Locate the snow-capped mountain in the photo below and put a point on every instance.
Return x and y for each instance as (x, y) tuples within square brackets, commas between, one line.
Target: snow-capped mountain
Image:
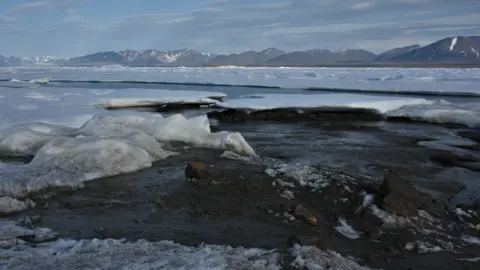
[(249, 58), (449, 50), (9, 61), (42, 60), (183, 57), (322, 57), (390, 54), (460, 50)]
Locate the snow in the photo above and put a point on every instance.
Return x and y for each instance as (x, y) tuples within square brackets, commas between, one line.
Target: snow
[(454, 42), (163, 97), (346, 230), (9, 231), (11, 205), (326, 101), (473, 50), (121, 254), (312, 258), (95, 253), (103, 146), (118, 254)]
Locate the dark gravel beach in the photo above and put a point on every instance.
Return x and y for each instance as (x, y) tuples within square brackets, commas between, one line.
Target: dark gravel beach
[(408, 167)]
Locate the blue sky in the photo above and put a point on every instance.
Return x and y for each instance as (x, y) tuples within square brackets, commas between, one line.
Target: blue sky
[(75, 27)]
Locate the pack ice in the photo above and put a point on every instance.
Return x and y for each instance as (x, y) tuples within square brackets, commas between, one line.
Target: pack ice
[(104, 146)]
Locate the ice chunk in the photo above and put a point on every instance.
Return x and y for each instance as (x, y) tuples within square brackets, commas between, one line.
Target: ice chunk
[(347, 230), (163, 97), (326, 101), (10, 233), (103, 146), (195, 131), (68, 162), (26, 139), (136, 102), (118, 254), (11, 205), (313, 258)]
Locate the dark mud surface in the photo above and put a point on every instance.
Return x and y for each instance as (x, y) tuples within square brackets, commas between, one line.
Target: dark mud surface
[(240, 205)]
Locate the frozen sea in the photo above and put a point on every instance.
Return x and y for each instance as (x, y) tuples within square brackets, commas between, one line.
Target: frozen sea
[(81, 144)]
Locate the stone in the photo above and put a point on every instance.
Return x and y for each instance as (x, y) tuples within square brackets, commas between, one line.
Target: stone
[(301, 213), (197, 171), (398, 196)]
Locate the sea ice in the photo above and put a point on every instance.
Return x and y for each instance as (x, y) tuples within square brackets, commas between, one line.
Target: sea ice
[(163, 97), (381, 104), (103, 146)]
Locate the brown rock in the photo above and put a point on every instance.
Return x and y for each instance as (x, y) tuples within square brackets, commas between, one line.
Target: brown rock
[(196, 170), (300, 212), (398, 196)]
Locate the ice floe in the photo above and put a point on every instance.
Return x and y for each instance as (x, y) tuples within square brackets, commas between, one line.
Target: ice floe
[(435, 111), (162, 98), (381, 104), (385, 80), (103, 146)]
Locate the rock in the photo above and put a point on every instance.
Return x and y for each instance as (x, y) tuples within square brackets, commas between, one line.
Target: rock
[(398, 196), (301, 213), (196, 170)]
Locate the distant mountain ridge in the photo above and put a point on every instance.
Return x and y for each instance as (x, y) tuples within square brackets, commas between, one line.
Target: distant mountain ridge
[(456, 51), (143, 58)]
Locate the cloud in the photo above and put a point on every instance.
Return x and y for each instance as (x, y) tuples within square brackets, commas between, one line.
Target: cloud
[(38, 5), (31, 5), (6, 19), (227, 26), (223, 2), (363, 5)]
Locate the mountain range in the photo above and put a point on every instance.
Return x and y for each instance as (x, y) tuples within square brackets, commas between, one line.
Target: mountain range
[(450, 51)]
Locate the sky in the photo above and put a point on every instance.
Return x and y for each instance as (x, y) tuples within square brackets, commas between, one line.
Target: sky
[(67, 28)]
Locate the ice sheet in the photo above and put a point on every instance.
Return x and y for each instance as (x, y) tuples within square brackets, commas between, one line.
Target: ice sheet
[(162, 97), (275, 101), (51, 102), (417, 80), (436, 111)]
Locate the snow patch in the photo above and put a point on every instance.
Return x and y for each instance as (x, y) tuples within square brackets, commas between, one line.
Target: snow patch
[(120, 254), (9, 233), (10, 205), (315, 259), (454, 42), (473, 50), (422, 247), (346, 230)]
